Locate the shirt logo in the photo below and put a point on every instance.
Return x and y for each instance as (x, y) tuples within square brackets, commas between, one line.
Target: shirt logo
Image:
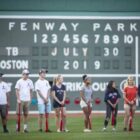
[(3, 87)]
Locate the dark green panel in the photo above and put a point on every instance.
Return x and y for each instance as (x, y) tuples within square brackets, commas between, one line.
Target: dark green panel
[(95, 45), (71, 5)]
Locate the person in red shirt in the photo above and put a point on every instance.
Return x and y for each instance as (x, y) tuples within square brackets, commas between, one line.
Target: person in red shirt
[(130, 96)]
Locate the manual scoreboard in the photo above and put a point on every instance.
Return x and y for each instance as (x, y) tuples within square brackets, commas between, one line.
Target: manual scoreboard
[(104, 47)]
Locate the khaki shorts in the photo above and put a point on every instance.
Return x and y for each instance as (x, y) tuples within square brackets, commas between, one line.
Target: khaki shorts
[(128, 107), (23, 107)]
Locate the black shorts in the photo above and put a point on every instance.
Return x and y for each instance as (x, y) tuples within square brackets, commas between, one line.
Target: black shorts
[(3, 111), (57, 105)]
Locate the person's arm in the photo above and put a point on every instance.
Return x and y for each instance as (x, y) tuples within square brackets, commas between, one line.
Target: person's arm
[(82, 96), (17, 95), (91, 97), (17, 88), (41, 96), (118, 98), (111, 103), (7, 96), (49, 92), (134, 100), (117, 101), (55, 98), (125, 98), (31, 94), (48, 95), (64, 98), (31, 89)]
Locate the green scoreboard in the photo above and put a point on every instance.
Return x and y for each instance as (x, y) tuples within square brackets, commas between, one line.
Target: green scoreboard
[(103, 47)]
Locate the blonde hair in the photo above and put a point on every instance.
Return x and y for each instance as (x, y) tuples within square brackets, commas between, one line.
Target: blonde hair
[(55, 79), (127, 81)]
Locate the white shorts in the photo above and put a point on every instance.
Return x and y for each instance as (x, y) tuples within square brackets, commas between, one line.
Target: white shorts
[(83, 104)]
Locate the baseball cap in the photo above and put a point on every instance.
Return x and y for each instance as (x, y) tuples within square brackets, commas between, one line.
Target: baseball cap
[(25, 71), (1, 74), (85, 77), (43, 71)]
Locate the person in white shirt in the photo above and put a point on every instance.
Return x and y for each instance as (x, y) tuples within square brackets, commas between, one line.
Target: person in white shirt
[(42, 88), (24, 88), (4, 91)]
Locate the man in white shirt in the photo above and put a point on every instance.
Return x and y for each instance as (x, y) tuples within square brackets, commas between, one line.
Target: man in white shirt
[(24, 88), (4, 91), (42, 87)]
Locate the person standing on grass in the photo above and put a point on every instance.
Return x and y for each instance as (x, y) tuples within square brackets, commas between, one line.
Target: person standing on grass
[(111, 99), (86, 94), (59, 96), (130, 96), (4, 103), (42, 88), (24, 88)]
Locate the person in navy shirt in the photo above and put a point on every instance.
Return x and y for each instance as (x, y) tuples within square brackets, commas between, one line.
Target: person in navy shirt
[(111, 99), (59, 96)]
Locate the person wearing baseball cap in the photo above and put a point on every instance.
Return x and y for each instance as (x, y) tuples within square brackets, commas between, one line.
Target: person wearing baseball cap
[(25, 72), (42, 88), (4, 93), (24, 88), (43, 71)]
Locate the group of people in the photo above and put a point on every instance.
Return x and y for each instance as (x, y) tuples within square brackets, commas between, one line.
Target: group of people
[(24, 88), (111, 98)]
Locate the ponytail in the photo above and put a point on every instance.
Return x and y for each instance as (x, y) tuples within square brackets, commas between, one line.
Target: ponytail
[(54, 81)]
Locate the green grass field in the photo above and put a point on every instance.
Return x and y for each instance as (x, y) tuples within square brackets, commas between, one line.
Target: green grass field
[(75, 125)]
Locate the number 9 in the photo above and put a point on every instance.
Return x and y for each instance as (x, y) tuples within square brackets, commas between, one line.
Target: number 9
[(97, 65)]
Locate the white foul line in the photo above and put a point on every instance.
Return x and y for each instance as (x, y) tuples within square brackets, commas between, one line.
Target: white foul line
[(75, 112)]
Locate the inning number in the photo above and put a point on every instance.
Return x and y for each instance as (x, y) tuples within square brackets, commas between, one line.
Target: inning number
[(97, 65)]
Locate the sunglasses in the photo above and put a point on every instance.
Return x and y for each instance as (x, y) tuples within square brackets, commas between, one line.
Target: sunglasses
[(26, 74)]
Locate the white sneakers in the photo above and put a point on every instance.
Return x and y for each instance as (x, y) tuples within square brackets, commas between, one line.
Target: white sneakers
[(113, 129), (66, 130), (87, 130), (104, 129), (58, 130)]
